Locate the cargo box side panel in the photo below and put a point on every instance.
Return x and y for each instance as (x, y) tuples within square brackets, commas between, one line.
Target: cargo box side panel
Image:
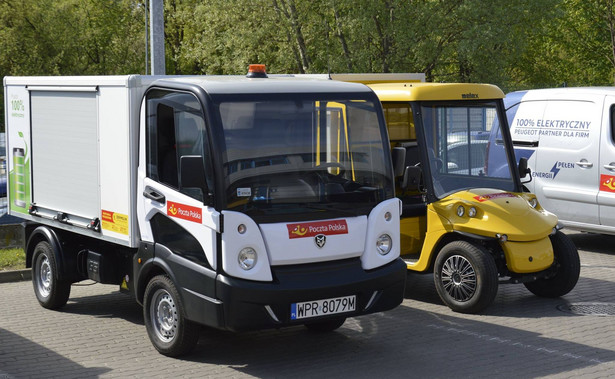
[(65, 152), (115, 178)]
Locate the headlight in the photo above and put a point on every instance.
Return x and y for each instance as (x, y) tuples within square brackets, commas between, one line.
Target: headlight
[(461, 211), (247, 258), (472, 212), (533, 202), (384, 243)]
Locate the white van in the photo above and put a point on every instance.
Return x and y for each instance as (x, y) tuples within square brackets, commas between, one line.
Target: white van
[(568, 137)]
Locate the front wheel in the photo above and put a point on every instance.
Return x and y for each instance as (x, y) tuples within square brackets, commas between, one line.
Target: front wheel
[(170, 332), (568, 269), (466, 277), (51, 292)]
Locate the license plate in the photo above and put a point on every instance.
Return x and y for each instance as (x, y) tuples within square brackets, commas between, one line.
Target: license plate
[(324, 307)]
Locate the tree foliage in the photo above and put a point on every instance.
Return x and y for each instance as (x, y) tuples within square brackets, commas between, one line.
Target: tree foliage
[(520, 44)]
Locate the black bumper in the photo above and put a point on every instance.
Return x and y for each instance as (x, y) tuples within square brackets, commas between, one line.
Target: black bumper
[(249, 305)]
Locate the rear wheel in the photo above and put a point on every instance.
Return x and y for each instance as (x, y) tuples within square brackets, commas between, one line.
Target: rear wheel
[(568, 269), (170, 332), (51, 292), (325, 326), (466, 277)]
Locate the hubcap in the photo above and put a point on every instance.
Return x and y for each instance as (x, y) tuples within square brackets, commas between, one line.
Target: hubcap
[(44, 276), (164, 315), (459, 278)]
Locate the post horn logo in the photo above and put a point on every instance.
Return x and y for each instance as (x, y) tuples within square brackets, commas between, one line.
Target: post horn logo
[(320, 240)]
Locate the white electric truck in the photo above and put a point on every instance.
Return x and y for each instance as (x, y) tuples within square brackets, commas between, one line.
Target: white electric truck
[(233, 202)]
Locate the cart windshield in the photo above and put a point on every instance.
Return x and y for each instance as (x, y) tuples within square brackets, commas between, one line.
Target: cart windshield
[(465, 147), (307, 155)]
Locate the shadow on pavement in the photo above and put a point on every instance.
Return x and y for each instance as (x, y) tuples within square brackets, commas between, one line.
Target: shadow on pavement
[(111, 305), (405, 342), (21, 358)]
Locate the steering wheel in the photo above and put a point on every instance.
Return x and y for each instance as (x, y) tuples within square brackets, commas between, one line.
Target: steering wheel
[(339, 166)]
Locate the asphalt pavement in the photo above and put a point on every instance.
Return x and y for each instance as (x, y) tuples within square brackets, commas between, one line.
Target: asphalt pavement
[(100, 333)]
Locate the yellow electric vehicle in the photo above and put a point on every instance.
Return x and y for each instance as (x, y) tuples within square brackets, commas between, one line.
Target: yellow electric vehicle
[(465, 215)]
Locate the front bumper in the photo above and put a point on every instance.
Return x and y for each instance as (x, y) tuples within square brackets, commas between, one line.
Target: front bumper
[(248, 305)]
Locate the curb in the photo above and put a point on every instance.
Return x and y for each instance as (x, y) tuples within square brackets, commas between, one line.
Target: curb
[(15, 275)]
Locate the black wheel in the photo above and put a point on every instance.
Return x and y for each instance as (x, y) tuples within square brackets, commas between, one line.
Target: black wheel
[(325, 326), (466, 277), (51, 292), (568, 269), (170, 332)]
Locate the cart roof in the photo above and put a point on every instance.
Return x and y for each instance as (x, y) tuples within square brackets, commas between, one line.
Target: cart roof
[(436, 91)]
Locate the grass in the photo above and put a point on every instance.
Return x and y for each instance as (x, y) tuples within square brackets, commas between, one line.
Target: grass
[(12, 259)]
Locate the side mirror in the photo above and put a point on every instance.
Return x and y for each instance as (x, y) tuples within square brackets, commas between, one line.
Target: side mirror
[(412, 178), (192, 174), (523, 169), (399, 159)]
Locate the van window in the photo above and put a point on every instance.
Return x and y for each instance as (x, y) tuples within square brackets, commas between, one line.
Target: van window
[(612, 123)]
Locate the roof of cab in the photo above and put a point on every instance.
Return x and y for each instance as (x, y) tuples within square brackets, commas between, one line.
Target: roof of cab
[(436, 91), (235, 84)]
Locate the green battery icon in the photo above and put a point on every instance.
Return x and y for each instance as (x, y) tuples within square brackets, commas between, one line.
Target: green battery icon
[(19, 165)]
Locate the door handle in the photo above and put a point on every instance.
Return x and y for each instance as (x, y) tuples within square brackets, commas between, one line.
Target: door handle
[(584, 163), (610, 166), (151, 194)]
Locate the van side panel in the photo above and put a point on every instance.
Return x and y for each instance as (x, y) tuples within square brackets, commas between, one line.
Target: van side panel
[(565, 133)]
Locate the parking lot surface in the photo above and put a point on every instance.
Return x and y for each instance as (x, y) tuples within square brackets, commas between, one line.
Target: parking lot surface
[(100, 333)]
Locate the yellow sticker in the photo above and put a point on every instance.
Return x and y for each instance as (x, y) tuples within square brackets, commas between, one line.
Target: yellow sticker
[(115, 222)]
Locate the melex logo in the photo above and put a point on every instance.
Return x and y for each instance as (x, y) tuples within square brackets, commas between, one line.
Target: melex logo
[(320, 240), (493, 196), (312, 229), (607, 183), (185, 212), (469, 96)]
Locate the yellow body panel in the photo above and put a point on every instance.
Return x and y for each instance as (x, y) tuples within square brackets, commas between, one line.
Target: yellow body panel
[(526, 257), (498, 213), (413, 231), (437, 227)]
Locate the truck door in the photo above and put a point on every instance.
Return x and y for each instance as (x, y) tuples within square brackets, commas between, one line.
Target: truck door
[(606, 194), (170, 213), (567, 165)]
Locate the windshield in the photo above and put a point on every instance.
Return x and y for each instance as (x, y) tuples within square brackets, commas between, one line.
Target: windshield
[(304, 156), (465, 147)]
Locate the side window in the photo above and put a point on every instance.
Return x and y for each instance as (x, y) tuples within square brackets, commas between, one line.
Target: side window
[(400, 121), (175, 129)]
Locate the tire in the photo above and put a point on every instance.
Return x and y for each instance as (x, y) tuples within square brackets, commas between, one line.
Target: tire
[(325, 326), (466, 277), (51, 292), (568, 269), (168, 329)]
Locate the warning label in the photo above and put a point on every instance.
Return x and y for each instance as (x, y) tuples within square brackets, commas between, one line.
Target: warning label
[(115, 222)]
